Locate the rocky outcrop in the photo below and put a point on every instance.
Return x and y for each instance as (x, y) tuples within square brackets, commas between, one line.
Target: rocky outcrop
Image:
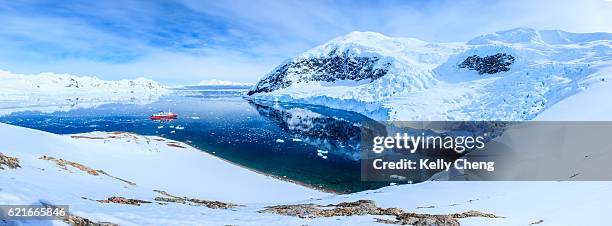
[(8, 162), (63, 164), (74, 220), (369, 207), (335, 66), (167, 197), (122, 200), (489, 64)]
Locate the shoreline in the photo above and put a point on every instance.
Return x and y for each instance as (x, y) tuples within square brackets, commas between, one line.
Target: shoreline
[(326, 190)]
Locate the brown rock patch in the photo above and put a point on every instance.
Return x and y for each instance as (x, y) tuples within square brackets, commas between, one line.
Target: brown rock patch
[(74, 220), (175, 144), (8, 162), (192, 201), (369, 207), (63, 164), (122, 200)]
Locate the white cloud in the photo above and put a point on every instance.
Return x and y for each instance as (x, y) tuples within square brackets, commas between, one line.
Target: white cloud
[(261, 33)]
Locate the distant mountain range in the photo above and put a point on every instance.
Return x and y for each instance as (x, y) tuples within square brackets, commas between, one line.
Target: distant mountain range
[(509, 75), (51, 84), (50, 92), (216, 82)]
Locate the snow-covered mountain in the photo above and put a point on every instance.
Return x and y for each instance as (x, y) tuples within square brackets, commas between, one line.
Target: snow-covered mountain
[(65, 83), (509, 75), (50, 92)]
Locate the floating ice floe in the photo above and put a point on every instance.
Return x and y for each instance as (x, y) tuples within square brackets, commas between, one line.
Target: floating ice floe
[(280, 141), (179, 127), (297, 140), (195, 117), (160, 127), (171, 126), (321, 153), (398, 177), (173, 131)]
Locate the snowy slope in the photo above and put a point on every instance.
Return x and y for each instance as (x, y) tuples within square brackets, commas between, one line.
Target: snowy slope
[(135, 166), (151, 163), (418, 80), (591, 104), (55, 92)]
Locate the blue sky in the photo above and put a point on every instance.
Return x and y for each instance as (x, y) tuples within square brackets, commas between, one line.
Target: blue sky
[(182, 42)]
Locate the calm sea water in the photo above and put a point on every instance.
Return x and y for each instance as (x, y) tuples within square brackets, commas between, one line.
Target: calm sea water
[(309, 144)]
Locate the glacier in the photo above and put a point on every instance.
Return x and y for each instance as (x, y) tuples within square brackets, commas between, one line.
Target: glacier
[(389, 78)]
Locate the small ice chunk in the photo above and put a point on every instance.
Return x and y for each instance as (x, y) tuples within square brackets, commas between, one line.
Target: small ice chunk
[(323, 152), (160, 127), (171, 126), (195, 117), (398, 177), (320, 154), (280, 141), (324, 157), (297, 140), (173, 131)]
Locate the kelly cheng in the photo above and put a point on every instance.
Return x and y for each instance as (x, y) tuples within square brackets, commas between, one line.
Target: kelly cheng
[(412, 143)]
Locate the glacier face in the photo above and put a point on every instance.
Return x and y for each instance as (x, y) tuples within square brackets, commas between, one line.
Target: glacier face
[(509, 75)]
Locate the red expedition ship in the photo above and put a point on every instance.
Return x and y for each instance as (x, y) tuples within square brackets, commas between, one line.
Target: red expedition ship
[(163, 116)]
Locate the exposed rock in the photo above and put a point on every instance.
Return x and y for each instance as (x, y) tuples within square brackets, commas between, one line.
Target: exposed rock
[(489, 64), (116, 178), (335, 66), (536, 222), (8, 162), (74, 220), (473, 214), (175, 144), (192, 201), (63, 164), (369, 207), (122, 200)]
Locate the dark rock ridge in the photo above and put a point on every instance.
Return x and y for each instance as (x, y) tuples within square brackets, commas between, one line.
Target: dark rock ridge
[(489, 64), (335, 66)]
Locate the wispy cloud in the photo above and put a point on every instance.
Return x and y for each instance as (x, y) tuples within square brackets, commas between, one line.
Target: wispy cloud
[(188, 41)]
